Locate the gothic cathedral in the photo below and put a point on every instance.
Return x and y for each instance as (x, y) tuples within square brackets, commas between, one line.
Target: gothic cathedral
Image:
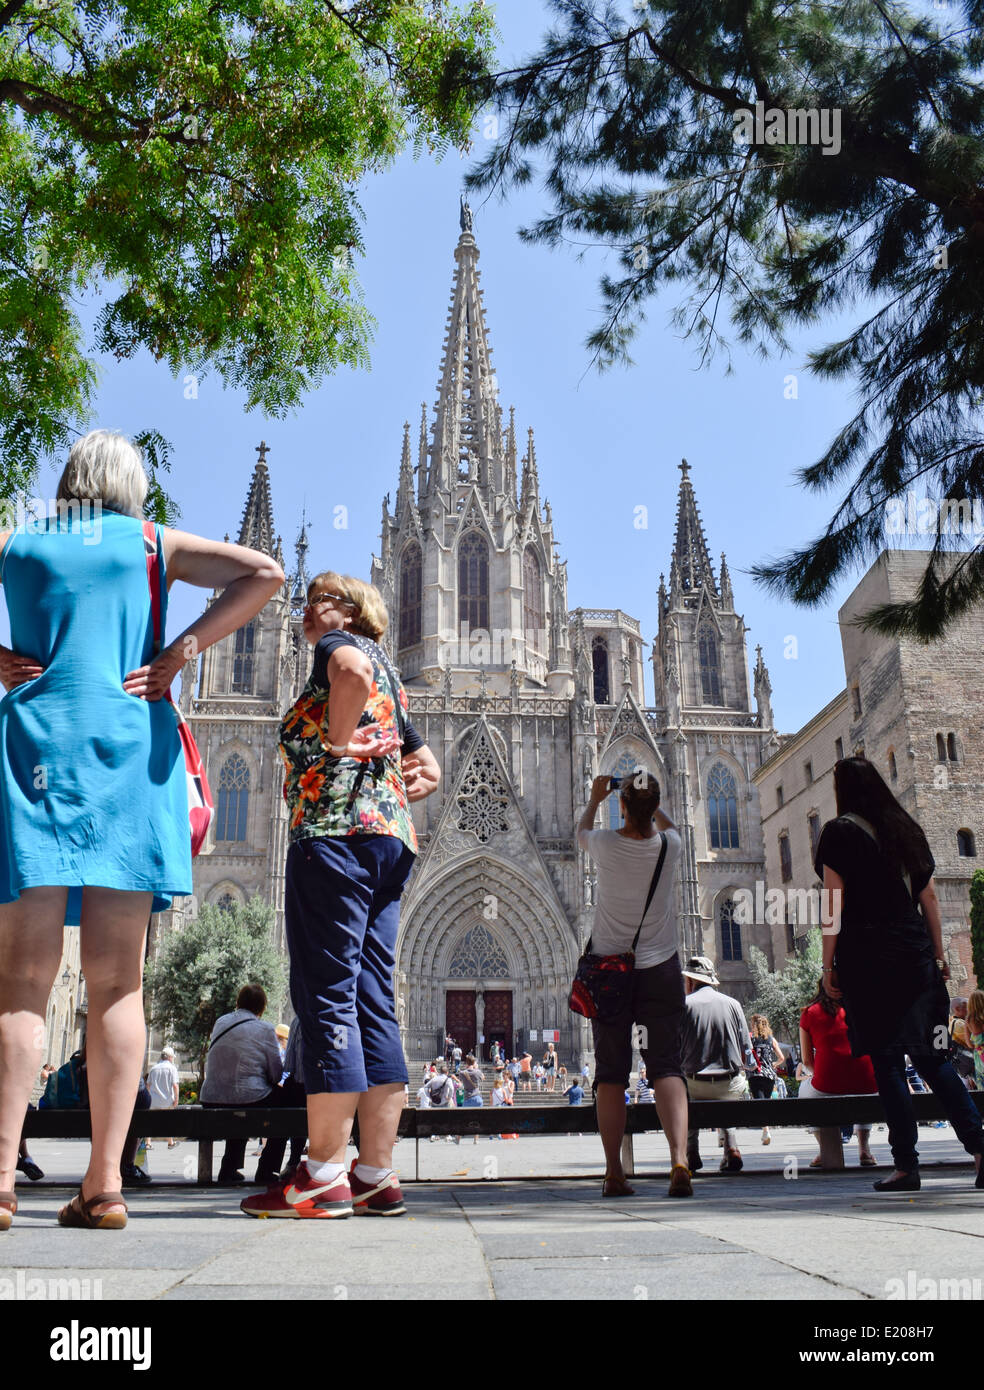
[(522, 701)]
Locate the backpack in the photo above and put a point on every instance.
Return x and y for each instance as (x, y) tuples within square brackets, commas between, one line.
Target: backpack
[(66, 1088), (436, 1088)]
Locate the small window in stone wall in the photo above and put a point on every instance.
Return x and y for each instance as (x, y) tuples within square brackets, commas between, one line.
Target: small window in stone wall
[(966, 844), (808, 771), (952, 748), (940, 748), (814, 824), (893, 770), (779, 797), (856, 700), (838, 748)]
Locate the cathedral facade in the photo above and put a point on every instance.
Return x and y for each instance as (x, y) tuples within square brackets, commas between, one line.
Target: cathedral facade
[(523, 701)]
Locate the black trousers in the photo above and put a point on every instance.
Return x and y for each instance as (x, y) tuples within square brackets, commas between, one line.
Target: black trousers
[(290, 1094)]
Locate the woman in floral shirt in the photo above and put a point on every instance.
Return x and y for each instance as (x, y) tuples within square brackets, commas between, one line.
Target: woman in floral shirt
[(353, 764)]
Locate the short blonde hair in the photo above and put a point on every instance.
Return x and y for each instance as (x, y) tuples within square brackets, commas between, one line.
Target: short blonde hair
[(107, 467), (370, 617)]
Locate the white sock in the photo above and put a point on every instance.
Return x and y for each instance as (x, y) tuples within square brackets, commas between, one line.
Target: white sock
[(324, 1172), (370, 1175)]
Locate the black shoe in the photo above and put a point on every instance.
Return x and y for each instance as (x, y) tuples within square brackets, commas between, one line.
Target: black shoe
[(732, 1161), (979, 1180), (135, 1177), (266, 1179), (694, 1161), (29, 1168), (230, 1180), (908, 1182)]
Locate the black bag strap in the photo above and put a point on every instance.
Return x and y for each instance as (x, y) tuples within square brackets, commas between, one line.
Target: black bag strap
[(239, 1021), (649, 897), (652, 889)]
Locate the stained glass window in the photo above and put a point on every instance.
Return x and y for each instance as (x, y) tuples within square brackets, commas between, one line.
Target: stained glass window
[(473, 582), (710, 673), (411, 588), (242, 661), (532, 599), (233, 799), (730, 932), (599, 661), (722, 808)]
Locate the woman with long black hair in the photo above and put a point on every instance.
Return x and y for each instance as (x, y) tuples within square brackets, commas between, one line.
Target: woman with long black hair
[(883, 956)]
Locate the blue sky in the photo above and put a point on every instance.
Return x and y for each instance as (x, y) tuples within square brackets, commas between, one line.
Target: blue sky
[(605, 443)]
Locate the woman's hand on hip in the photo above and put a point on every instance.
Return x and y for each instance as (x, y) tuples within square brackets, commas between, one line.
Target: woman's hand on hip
[(154, 681), (370, 741), (832, 987), (16, 669)]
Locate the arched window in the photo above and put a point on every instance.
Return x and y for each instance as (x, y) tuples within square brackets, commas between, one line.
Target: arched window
[(722, 807), (226, 903), (411, 588), (473, 582), (233, 799), (966, 845), (532, 600), (599, 661), (893, 770), (625, 767), (785, 859), (710, 671), (952, 748), (730, 931), (940, 749), (242, 661)]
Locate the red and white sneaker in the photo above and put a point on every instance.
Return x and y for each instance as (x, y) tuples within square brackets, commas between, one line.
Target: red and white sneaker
[(302, 1196), (380, 1199)]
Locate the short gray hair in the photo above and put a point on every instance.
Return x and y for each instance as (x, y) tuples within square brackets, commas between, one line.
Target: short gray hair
[(106, 466), (167, 1052)]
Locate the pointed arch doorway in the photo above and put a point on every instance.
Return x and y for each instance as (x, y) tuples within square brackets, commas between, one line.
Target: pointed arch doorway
[(475, 1015)]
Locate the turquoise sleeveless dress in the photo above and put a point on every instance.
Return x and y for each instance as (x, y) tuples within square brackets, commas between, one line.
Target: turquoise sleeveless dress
[(92, 779)]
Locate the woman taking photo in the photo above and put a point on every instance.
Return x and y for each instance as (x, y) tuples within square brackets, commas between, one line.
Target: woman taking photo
[(883, 957), (351, 848), (93, 796), (626, 861)]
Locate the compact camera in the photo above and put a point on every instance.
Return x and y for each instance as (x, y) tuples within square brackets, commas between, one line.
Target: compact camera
[(615, 782)]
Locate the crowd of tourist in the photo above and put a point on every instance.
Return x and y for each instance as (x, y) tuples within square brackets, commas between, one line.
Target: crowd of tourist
[(109, 845)]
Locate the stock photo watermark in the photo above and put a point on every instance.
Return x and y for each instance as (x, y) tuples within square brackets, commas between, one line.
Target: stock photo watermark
[(811, 125), (33, 514)]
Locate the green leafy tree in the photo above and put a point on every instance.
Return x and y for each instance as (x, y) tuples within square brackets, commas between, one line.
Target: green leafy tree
[(203, 160), (200, 970), (977, 925), (642, 125), (783, 994)]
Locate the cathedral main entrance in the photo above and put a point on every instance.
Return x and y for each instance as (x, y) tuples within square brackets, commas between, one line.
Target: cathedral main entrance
[(463, 1009)]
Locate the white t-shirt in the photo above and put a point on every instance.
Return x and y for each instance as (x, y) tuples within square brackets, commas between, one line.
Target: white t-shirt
[(161, 1081), (625, 871)]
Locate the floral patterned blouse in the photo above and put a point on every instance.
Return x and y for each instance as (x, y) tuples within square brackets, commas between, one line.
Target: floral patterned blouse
[(345, 796)]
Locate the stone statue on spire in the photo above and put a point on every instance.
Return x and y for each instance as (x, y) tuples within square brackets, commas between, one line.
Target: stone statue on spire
[(465, 215)]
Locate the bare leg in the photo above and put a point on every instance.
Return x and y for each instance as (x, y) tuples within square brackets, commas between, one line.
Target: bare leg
[(380, 1109), (330, 1116), (610, 1100), (672, 1109), (114, 929), (31, 936)]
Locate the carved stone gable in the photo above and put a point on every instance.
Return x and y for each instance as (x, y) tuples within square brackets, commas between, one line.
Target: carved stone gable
[(478, 956), (483, 796)]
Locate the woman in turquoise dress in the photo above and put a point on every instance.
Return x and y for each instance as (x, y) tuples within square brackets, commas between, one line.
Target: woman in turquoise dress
[(93, 800)]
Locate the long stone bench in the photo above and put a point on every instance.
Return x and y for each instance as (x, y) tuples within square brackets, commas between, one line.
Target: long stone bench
[(206, 1126)]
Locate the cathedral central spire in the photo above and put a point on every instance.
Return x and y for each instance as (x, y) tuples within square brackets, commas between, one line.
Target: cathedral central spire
[(690, 554), (467, 407)]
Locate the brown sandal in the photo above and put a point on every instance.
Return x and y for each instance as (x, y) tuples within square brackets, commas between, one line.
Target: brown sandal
[(78, 1212), (7, 1200)]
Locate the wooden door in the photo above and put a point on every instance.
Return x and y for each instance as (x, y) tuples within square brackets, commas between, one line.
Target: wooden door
[(498, 1021), (460, 1018)]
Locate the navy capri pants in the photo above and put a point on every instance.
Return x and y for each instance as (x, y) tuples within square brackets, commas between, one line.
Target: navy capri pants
[(342, 913)]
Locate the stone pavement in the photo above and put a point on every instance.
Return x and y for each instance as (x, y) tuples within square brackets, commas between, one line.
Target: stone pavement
[(756, 1236)]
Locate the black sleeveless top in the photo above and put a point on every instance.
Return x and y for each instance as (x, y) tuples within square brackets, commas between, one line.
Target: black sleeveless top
[(894, 996)]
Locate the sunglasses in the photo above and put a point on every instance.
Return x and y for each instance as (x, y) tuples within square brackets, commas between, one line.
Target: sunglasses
[(319, 599)]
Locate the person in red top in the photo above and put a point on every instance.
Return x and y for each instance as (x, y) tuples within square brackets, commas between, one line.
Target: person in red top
[(832, 1071)]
